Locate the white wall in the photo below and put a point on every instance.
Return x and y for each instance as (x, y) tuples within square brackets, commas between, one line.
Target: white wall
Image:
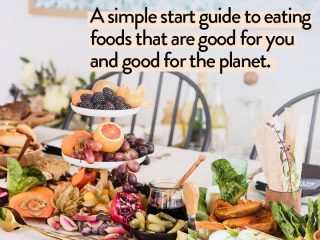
[(64, 40)]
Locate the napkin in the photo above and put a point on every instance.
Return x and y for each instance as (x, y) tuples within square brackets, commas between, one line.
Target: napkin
[(282, 153)]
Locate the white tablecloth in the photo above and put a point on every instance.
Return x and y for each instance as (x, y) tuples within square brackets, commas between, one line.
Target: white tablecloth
[(172, 166)]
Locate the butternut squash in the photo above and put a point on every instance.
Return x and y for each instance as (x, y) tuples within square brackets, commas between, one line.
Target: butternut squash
[(34, 203)]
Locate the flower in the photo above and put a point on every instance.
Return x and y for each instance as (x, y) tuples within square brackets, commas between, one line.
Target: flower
[(55, 99), (28, 75), (70, 83)]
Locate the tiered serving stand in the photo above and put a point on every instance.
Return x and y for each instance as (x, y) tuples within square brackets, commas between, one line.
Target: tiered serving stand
[(101, 114)]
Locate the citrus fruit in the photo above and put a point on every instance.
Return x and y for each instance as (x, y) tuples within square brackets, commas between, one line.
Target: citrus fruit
[(68, 144), (110, 135), (133, 98), (101, 84), (83, 133), (76, 95)]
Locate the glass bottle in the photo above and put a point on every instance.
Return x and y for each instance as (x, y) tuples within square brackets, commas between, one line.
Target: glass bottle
[(219, 120)]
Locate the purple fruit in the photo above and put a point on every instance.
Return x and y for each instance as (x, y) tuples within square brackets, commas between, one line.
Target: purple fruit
[(126, 188), (142, 151), (132, 179), (110, 157), (133, 154), (150, 147), (125, 146), (133, 189), (122, 170), (133, 166), (140, 142), (118, 157)]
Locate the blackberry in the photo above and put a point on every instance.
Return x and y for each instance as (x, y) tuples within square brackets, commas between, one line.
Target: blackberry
[(98, 98), (120, 104), (108, 94), (88, 105), (86, 97), (109, 106), (99, 106)]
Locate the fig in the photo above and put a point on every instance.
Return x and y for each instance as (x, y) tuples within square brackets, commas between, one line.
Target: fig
[(68, 224), (4, 196)]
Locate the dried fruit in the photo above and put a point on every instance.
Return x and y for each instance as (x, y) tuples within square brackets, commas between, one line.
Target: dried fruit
[(124, 207), (53, 223), (4, 196), (118, 229), (68, 224)]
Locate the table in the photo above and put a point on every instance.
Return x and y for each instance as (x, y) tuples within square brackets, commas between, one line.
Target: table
[(166, 163)]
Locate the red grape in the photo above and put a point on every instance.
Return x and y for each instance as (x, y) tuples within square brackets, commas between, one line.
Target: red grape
[(94, 145), (122, 170), (133, 166), (98, 156), (89, 156), (150, 147), (140, 142), (132, 179), (118, 157), (125, 146), (142, 151), (133, 154), (126, 188)]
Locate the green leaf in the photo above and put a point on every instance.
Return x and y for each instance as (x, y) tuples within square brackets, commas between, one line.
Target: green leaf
[(25, 60), (231, 184), (82, 81), (310, 224), (20, 180), (92, 76)]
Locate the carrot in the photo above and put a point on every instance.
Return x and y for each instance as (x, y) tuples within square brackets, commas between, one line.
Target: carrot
[(34, 203)]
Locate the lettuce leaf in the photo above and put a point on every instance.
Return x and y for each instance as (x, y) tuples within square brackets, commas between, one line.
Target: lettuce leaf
[(231, 184), (310, 222), (21, 179)]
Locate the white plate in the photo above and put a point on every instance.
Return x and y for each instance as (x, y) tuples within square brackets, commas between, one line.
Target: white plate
[(97, 165), (105, 113)]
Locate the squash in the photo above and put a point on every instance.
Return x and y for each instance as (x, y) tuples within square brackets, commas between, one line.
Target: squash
[(242, 210), (34, 203), (215, 226)]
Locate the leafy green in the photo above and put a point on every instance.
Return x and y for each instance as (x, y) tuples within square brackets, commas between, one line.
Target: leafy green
[(317, 213), (202, 214), (231, 184), (310, 222), (21, 179)]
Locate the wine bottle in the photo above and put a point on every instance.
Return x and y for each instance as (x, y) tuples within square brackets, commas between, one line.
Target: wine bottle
[(219, 120)]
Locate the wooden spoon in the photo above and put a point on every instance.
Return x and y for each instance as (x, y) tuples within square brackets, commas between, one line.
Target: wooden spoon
[(201, 158)]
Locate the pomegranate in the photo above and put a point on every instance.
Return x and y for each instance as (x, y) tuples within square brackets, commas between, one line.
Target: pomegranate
[(124, 207)]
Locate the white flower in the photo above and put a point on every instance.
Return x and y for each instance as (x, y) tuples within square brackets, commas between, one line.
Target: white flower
[(70, 83), (28, 75), (55, 99)]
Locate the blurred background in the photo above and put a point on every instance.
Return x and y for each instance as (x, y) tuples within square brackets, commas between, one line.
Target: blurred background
[(242, 98)]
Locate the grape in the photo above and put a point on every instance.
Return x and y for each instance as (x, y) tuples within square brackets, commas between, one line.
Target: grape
[(133, 154), (132, 142), (89, 156), (122, 170), (132, 179), (126, 188), (138, 186), (98, 156), (133, 166), (94, 145), (150, 147), (142, 151), (118, 157), (79, 155), (110, 157), (133, 189), (125, 146), (140, 142)]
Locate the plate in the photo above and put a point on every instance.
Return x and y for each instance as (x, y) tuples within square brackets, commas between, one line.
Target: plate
[(97, 165), (105, 113)]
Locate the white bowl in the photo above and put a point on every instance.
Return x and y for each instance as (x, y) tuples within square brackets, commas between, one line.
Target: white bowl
[(97, 165), (105, 113)]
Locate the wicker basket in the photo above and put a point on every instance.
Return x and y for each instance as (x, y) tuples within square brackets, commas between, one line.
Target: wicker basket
[(28, 159)]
